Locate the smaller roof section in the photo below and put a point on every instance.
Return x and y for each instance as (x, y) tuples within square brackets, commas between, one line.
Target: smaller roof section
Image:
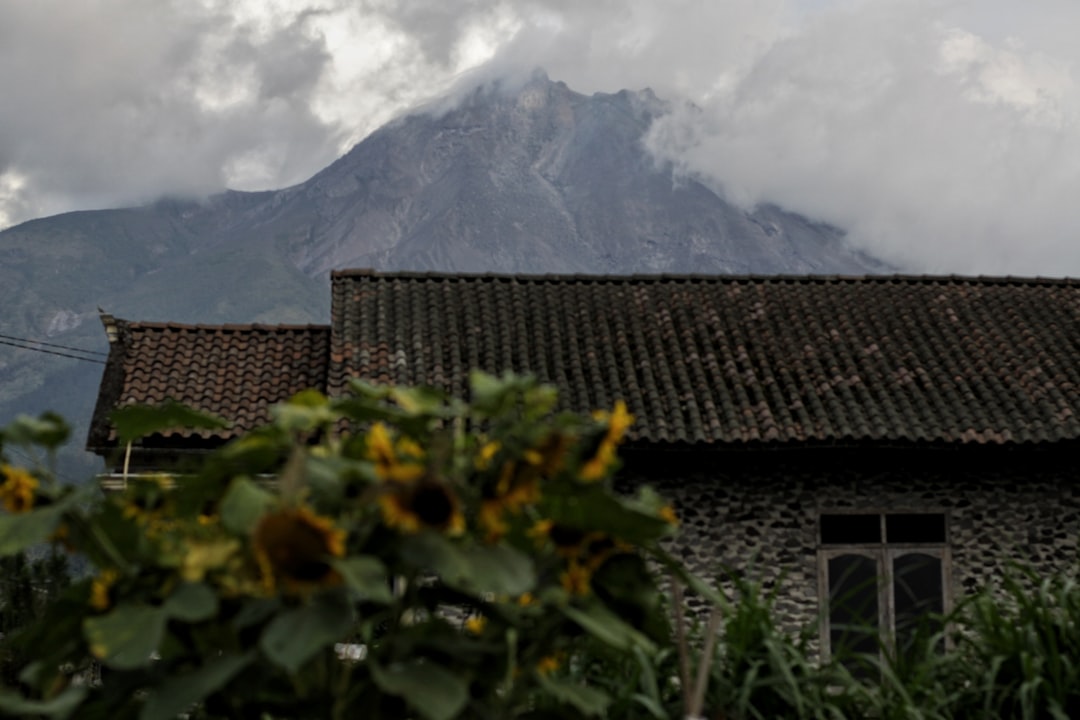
[(235, 371)]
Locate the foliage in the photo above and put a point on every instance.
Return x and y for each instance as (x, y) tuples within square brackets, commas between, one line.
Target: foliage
[(467, 552), (422, 557), (1020, 651), (27, 586), (763, 673)]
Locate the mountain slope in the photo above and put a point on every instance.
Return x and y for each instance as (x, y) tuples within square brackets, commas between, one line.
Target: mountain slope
[(541, 180), (532, 179)]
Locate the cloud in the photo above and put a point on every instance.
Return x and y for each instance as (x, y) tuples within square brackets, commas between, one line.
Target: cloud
[(123, 100), (938, 149), (942, 134)]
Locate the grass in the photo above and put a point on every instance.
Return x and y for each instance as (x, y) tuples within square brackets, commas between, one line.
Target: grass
[(1012, 653)]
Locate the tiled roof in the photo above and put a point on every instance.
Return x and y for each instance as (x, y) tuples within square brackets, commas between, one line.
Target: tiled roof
[(739, 359), (235, 371)]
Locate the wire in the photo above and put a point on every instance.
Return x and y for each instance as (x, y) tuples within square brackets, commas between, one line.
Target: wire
[(33, 462), (53, 352), (49, 344)]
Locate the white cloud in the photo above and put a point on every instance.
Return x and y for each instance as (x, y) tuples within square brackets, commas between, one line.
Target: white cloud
[(938, 149), (943, 134)]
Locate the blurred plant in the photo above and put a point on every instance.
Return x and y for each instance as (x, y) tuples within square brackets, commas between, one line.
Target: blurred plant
[(395, 514)]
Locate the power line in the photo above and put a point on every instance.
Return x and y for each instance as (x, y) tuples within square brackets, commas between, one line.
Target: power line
[(30, 462), (49, 344), (53, 352)]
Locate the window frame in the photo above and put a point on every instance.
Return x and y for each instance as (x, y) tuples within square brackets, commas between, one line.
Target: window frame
[(883, 553)]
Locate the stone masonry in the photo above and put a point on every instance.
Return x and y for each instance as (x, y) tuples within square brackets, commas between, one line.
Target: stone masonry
[(756, 512)]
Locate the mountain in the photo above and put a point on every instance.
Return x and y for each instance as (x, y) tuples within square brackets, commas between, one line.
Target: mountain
[(535, 179)]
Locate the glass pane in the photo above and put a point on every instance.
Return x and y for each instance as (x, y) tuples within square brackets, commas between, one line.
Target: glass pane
[(917, 597), (850, 529), (915, 528), (853, 607)]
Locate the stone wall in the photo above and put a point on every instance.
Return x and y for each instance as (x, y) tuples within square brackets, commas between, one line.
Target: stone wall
[(756, 512)]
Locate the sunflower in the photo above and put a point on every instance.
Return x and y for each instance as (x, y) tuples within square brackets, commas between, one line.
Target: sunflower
[(550, 453), (100, 589), (294, 545), (425, 503), (17, 490), (576, 578), (487, 452), (548, 664), (517, 485), (145, 500), (603, 456), (566, 538), (400, 462), (475, 625)]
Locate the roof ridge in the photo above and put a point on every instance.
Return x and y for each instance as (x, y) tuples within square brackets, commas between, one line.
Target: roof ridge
[(263, 327), (346, 274)]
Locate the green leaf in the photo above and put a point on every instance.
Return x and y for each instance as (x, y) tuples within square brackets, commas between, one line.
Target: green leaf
[(430, 689), (125, 638), (588, 701), (192, 602), (49, 430), (244, 503), (256, 612), (59, 707), (431, 551), (475, 569), (296, 636), (135, 421), (702, 587), (18, 532), (594, 508), (500, 569), (179, 692), (419, 400), (607, 627), (367, 577), (305, 411), (491, 395)]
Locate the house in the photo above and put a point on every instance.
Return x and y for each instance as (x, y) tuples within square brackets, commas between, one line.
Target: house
[(829, 431)]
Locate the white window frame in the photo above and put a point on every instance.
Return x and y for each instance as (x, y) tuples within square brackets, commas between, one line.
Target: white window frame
[(883, 554)]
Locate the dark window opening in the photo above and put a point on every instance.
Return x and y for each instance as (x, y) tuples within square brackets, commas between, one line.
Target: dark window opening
[(918, 600), (915, 528), (850, 529), (853, 609)]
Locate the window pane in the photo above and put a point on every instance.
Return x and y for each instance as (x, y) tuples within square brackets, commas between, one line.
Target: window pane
[(853, 606), (850, 529), (917, 594), (915, 528)]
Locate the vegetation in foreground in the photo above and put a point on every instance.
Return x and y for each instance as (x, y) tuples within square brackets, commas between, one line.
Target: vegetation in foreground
[(442, 560)]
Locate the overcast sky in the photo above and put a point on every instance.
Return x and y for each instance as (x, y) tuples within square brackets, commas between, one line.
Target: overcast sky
[(944, 135)]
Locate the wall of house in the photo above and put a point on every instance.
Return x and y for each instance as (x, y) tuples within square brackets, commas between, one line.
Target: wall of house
[(757, 512)]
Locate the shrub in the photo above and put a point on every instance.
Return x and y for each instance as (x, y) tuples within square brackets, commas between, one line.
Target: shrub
[(471, 549)]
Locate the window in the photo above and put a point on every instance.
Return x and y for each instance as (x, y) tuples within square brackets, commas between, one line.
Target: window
[(886, 578)]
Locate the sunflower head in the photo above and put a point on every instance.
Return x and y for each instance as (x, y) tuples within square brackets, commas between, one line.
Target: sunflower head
[(599, 454), (548, 664), (576, 579), (567, 539), (425, 503), (402, 461), (668, 515), (551, 453), (475, 625), (295, 545), (17, 490), (100, 589)]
